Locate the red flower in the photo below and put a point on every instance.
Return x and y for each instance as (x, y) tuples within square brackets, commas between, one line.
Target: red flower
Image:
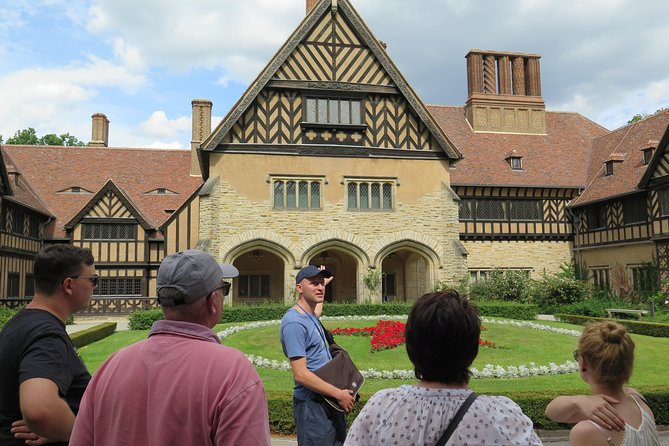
[(389, 334)]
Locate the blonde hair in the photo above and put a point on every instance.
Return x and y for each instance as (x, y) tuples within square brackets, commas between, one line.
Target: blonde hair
[(608, 351)]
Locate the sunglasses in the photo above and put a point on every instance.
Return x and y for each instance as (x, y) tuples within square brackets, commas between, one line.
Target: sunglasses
[(95, 279), (225, 286)]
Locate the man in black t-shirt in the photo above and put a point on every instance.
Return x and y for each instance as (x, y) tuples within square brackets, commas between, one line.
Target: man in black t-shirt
[(42, 379)]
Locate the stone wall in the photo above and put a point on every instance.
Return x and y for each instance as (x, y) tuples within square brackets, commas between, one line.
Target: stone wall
[(238, 216), (537, 256)]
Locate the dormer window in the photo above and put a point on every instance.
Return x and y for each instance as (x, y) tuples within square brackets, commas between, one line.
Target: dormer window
[(609, 168), (160, 191), (647, 155), (74, 190), (516, 163)]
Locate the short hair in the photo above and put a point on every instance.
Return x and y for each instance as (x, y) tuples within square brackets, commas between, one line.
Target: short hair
[(55, 263), (608, 351), (442, 337)]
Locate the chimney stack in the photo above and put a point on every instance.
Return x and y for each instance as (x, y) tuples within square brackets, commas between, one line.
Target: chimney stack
[(504, 92), (310, 5), (100, 134), (201, 130)]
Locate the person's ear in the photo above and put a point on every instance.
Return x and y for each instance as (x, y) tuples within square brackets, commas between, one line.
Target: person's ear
[(66, 285)]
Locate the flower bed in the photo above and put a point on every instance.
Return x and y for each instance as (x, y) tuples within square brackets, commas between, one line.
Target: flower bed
[(488, 371), (388, 334)]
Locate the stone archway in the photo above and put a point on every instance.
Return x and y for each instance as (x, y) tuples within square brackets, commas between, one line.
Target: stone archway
[(261, 277), (406, 275), (344, 268)]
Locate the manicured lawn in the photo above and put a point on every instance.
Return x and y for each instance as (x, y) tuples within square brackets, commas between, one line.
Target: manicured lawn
[(516, 346)]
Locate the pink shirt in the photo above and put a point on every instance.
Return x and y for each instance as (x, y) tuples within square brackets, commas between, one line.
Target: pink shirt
[(178, 387)]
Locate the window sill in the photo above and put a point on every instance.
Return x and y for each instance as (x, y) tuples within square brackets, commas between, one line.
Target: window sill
[(317, 125)]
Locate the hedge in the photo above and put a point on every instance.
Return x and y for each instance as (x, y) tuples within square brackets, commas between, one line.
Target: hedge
[(143, 319), (533, 405), (637, 327), (85, 337)]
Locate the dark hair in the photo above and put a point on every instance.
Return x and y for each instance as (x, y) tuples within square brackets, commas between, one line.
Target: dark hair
[(608, 351), (442, 337), (54, 263)]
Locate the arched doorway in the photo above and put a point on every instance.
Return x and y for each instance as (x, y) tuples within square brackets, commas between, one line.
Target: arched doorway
[(261, 277), (406, 275), (344, 268)]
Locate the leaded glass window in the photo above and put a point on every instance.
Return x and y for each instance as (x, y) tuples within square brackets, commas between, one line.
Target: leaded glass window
[(296, 195), (333, 111), (372, 196)]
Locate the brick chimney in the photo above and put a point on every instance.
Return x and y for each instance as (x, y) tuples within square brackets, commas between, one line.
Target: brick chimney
[(201, 130), (100, 134), (310, 5), (504, 92)]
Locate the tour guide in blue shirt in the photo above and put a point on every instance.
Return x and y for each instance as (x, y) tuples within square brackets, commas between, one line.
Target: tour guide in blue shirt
[(304, 344)]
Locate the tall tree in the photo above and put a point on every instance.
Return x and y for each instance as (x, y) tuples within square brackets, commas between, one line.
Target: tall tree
[(29, 137), (640, 116)]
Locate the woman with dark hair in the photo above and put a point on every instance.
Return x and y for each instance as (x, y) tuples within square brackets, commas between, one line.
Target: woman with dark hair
[(442, 341), (612, 415)]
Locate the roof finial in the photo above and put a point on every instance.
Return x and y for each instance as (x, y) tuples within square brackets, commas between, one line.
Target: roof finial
[(334, 7)]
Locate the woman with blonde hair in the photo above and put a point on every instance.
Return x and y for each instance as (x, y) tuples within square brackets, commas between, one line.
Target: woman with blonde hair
[(613, 414)]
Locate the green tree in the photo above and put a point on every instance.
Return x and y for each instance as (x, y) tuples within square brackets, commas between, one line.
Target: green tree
[(29, 137), (640, 116), (25, 137)]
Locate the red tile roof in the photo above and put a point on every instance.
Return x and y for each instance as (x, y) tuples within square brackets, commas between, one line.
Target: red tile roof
[(21, 192), (53, 169), (625, 147), (556, 159)]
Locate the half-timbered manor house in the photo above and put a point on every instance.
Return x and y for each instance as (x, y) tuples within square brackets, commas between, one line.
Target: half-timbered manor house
[(331, 158)]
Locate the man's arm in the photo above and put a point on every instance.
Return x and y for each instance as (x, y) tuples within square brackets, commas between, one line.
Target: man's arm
[(575, 408), (44, 411), (312, 382)]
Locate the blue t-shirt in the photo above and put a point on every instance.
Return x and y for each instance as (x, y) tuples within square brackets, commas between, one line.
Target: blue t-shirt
[(302, 336)]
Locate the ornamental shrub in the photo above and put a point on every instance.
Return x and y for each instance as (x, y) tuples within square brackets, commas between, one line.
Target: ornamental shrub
[(502, 285), (90, 335), (633, 326), (144, 319), (553, 291)]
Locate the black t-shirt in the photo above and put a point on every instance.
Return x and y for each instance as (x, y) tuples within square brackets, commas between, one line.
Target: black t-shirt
[(34, 344)]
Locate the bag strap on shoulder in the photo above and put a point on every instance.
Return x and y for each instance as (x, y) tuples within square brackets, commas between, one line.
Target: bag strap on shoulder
[(456, 419)]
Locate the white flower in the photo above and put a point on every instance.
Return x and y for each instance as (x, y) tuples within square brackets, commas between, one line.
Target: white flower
[(489, 370)]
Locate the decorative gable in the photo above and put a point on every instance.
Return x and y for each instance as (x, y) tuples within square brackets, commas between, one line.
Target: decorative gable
[(109, 203), (333, 51), (331, 84), (657, 171)]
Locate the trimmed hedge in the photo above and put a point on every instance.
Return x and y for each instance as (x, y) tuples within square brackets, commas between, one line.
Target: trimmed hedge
[(143, 319), (637, 327), (533, 405), (90, 335)]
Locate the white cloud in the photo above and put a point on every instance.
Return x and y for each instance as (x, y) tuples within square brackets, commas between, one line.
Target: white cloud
[(56, 99), (158, 125), (238, 36)]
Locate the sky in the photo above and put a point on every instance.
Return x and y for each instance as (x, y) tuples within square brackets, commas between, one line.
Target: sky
[(142, 62)]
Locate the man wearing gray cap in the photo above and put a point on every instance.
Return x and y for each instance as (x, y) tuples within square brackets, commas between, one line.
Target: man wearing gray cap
[(304, 343), (179, 386)]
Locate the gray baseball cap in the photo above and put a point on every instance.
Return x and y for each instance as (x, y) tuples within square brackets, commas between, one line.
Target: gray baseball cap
[(194, 273)]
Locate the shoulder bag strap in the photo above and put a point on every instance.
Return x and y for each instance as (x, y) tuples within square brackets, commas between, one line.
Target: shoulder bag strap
[(456, 419)]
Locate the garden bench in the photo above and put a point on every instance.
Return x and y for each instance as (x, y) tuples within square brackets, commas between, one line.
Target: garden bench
[(637, 313)]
